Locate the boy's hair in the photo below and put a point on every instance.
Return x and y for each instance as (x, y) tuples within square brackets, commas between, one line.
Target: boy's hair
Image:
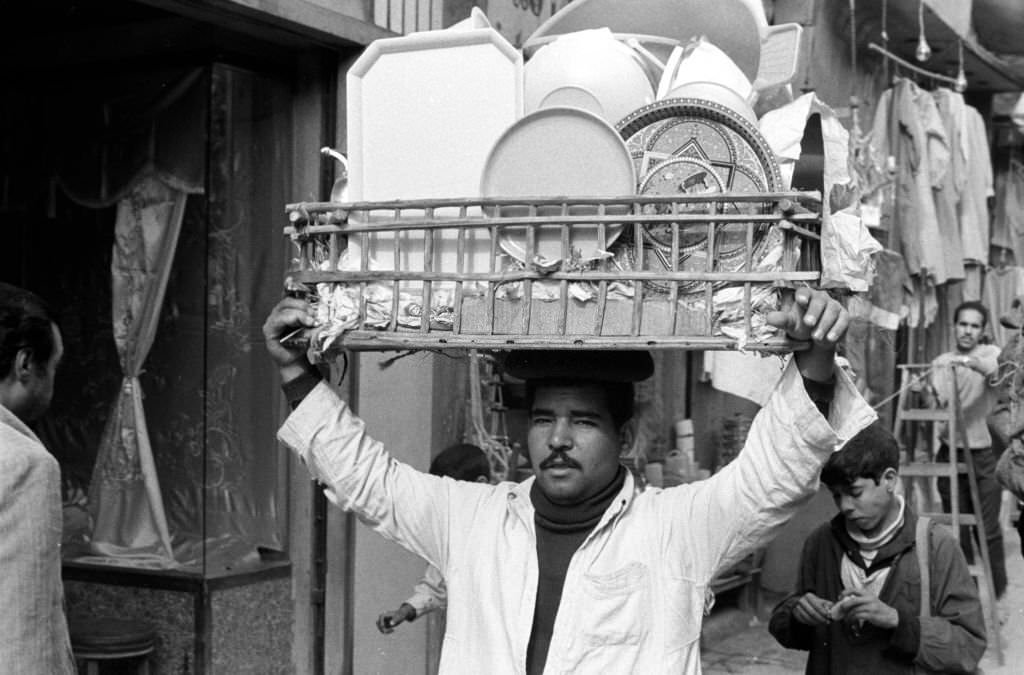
[(866, 455), (976, 306), (462, 461)]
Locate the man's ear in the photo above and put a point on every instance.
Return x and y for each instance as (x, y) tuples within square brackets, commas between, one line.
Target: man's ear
[(627, 434), (24, 366)]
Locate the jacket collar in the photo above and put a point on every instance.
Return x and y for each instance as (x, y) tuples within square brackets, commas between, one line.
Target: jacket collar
[(519, 501), (903, 541), (10, 419)]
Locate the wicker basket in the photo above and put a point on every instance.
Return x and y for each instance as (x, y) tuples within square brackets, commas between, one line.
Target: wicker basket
[(658, 287)]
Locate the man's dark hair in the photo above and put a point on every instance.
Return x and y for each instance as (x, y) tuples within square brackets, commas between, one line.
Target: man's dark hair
[(26, 322), (462, 461), (619, 395), (976, 306), (866, 455)]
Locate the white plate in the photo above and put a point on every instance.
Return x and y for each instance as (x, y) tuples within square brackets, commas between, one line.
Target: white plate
[(423, 111), (557, 152), (735, 26), (590, 70)]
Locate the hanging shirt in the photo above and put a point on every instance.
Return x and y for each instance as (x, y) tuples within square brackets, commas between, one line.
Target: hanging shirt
[(974, 212), (1002, 285), (908, 127), (947, 194)]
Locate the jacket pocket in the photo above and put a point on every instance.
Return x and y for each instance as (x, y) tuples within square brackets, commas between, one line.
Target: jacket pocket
[(615, 615)]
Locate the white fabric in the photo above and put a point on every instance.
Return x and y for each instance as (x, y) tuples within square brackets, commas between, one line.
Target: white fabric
[(634, 591), (125, 493), (846, 243), (750, 376), (430, 594), (974, 212)]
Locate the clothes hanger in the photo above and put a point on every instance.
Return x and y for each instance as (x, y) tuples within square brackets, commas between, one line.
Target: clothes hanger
[(935, 77)]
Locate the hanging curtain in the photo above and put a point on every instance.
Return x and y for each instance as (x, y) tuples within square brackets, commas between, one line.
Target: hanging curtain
[(125, 494)]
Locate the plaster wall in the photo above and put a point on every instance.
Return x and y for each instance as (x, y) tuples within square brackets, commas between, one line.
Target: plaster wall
[(397, 404)]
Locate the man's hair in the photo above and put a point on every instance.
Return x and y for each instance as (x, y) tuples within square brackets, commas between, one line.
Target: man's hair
[(619, 395), (462, 461), (976, 306), (866, 455), (26, 322)]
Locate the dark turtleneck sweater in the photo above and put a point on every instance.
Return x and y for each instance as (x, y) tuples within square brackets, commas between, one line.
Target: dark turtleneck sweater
[(561, 528)]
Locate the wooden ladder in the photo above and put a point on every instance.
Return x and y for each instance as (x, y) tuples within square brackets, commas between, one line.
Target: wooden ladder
[(918, 470)]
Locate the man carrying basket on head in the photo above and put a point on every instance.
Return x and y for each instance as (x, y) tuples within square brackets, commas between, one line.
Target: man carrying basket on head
[(574, 570)]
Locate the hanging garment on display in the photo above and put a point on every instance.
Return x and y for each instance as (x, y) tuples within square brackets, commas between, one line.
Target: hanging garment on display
[(974, 212), (750, 376), (908, 128), (1008, 222), (1002, 285), (947, 194), (974, 279)]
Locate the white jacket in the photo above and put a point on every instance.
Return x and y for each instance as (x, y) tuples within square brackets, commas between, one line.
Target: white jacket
[(634, 593), (32, 624)]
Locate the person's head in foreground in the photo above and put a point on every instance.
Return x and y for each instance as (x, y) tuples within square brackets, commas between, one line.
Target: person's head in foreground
[(578, 402), (30, 350), (863, 477), (462, 461)]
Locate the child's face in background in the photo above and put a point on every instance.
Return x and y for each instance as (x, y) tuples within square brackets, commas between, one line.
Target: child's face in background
[(866, 504)]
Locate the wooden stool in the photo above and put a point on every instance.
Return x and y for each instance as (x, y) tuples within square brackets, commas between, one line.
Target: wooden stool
[(96, 640)]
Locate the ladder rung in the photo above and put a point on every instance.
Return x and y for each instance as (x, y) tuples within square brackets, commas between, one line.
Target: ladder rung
[(966, 519), (922, 415), (922, 469)]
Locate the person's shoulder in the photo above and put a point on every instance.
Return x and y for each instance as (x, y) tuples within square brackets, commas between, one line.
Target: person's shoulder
[(992, 350), (19, 453), (943, 543)]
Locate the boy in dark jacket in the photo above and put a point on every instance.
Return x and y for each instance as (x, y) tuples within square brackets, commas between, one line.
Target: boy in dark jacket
[(857, 606)]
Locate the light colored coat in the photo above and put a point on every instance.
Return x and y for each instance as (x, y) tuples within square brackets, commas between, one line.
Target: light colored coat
[(35, 632), (636, 589)]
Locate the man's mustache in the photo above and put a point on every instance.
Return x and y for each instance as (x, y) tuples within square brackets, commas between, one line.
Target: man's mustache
[(560, 459)]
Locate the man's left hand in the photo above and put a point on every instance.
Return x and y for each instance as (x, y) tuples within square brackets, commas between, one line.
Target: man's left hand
[(860, 606), (813, 315)]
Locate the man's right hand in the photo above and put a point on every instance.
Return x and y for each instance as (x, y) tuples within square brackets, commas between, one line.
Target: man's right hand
[(387, 621), (812, 610), (288, 316)]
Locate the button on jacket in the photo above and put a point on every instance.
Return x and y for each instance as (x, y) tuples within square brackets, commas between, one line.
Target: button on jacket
[(635, 590)]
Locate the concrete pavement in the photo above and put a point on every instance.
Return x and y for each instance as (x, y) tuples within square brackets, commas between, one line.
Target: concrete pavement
[(750, 649)]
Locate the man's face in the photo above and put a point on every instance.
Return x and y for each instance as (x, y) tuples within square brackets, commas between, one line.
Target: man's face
[(573, 443), (39, 386), (865, 504), (969, 326)]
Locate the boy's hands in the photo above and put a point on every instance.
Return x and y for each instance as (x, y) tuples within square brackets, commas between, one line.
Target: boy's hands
[(854, 606), (860, 606), (812, 610)]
